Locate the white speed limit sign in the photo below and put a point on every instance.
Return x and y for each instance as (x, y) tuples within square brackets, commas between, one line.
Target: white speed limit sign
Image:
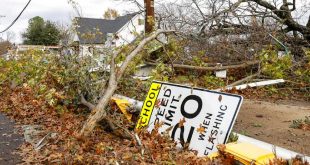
[(199, 117)]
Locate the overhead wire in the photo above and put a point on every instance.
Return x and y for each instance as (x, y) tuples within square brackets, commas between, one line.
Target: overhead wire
[(16, 18)]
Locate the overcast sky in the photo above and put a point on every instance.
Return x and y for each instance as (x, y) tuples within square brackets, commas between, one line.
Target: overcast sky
[(56, 10), (61, 12)]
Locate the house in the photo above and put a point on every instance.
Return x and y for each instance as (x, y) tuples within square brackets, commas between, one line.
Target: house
[(103, 33)]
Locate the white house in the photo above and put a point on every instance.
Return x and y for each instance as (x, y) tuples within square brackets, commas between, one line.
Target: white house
[(103, 33)]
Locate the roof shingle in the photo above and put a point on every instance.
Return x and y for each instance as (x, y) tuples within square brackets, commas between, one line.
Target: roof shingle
[(99, 28)]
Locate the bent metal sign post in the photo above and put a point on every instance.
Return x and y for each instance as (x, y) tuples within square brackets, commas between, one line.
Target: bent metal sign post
[(197, 117)]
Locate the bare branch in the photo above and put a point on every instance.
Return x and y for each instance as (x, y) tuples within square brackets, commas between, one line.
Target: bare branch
[(244, 79), (265, 4), (180, 66), (138, 49), (86, 103), (200, 11)]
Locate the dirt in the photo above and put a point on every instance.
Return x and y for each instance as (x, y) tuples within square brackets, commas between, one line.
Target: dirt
[(10, 140), (270, 122)]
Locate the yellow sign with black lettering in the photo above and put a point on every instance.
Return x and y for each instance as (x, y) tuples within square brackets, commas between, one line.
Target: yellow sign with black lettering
[(148, 106)]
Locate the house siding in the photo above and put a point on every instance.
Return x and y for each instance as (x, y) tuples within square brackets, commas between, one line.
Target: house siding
[(128, 33)]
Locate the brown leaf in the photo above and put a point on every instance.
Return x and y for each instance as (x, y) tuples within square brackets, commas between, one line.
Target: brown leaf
[(157, 103), (221, 147), (79, 158), (158, 125), (127, 156), (181, 122)]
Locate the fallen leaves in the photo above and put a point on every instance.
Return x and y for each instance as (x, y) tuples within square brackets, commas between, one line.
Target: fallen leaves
[(127, 156), (101, 147)]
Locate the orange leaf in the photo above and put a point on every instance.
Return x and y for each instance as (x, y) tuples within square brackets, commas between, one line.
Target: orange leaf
[(201, 129), (181, 122)]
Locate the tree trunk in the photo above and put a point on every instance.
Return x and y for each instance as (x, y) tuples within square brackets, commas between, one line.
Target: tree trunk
[(98, 113)]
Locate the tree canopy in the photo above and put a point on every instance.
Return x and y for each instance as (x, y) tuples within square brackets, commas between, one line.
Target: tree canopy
[(41, 32)]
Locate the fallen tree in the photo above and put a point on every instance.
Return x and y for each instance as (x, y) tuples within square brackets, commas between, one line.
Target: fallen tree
[(98, 111)]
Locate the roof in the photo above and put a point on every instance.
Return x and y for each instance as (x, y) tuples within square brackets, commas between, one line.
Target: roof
[(99, 27)]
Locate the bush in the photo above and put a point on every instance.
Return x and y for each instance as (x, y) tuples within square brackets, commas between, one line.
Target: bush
[(274, 66), (58, 79)]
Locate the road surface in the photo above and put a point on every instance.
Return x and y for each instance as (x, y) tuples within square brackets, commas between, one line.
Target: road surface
[(9, 142)]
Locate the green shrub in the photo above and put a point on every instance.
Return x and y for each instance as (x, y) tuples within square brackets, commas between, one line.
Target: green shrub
[(58, 79), (274, 66)]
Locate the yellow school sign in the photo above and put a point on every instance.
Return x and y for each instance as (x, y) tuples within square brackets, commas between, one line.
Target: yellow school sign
[(148, 105)]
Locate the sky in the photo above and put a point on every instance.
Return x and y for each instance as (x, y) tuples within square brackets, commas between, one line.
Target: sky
[(61, 11), (55, 10)]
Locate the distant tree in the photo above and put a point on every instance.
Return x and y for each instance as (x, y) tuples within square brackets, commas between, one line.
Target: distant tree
[(110, 14), (40, 32), (66, 34)]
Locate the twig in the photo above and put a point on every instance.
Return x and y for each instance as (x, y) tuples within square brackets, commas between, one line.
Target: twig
[(44, 140), (139, 143), (244, 79), (126, 134), (138, 139)]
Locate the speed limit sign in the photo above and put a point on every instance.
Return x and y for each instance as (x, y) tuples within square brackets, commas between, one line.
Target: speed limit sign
[(199, 117)]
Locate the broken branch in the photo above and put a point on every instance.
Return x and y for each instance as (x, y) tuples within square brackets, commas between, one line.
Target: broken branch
[(244, 79), (202, 68), (99, 112)]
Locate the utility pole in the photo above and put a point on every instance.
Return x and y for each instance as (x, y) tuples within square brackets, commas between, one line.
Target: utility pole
[(149, 16)]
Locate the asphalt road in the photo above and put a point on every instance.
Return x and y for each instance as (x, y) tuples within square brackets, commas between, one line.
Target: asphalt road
[(9, 142)]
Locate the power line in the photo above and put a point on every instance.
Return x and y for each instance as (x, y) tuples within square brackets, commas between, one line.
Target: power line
[(16, 18)]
